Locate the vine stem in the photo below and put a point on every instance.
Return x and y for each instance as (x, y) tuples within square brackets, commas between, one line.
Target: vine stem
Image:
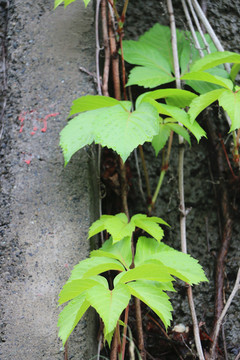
[(225, 309), (181, 181)]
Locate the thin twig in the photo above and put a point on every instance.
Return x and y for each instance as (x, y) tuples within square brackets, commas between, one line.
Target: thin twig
[(139, 176), (225, 309), (66, 351), (99, 89), (106, 48), (209, 29), (238, 356), (181, 181), (198, 26)]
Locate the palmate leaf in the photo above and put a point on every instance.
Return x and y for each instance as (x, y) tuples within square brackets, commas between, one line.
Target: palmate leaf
[(178, 264), (93, 102), (109, 304), (230, 101), (154, 297), (177, 97), (215, 59), (234, 71), (160, 140), (120, 251), (148, 77), (149, 224), (67, 2), (206, 77), (119, 227), (94, 266), (115, 127), (154, 270), (70, 316), (203, 101), (76, 287)]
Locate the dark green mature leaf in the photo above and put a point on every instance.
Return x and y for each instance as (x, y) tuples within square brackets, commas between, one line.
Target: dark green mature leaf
[(178, 264), (115, 127), (70, 316), (230, 101), (109, 304), (215, 59), (148, 77), (154, 297), (202, 102)]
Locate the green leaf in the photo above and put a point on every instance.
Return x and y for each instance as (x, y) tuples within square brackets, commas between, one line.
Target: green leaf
[(204, 76), (176, 97), (94, 266), (234, 71), (153, 270), (116, 225), (92, 102), (57, 3), (148, 77), (70, 316), (154, 297), (139, 53), (76, 287), (182, 117), (202, 102), (215, 59), (180, 130), (149, 224), (120, 251), (230, 101), (159, 141), (178, 264), (109, 304), (114, 127)]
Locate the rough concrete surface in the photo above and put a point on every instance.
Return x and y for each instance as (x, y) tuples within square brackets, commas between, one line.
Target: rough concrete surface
[(44, 225)]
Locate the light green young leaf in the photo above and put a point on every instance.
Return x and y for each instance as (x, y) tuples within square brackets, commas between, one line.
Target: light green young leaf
[(153, 270), (114, 127), (182, 117), (215, 59), (109, 304), (120, 251), (234, 71), (93, 102), (76, 287), (94, 266), (116, 225), (176, 97), (206, 77), (154, 297), (70, 316), (178, 264), (230, 101), (148, 77), (159, 141), (180, 130), (202, 102), (149, 224)]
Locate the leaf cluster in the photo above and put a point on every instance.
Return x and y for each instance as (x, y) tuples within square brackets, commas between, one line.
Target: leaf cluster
[(155, 264)]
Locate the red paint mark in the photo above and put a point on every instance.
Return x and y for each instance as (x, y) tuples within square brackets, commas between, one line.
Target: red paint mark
[(21, 118), (33, 133), (44, 129), (27, 161), (66, 265)]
